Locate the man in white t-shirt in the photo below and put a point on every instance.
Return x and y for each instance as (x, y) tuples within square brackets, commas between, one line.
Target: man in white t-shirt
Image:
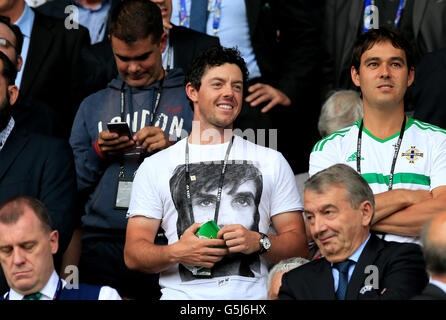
[(401, 158), (213, 175)]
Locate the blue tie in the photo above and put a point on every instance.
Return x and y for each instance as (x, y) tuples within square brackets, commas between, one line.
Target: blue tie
[(343, 278), (198, 15)]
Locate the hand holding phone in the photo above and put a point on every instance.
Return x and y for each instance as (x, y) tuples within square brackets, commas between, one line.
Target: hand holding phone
[(121, 128), (109, 144)]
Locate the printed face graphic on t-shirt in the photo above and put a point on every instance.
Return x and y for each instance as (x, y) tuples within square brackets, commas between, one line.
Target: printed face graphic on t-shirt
[(240, 197), (237, 205)]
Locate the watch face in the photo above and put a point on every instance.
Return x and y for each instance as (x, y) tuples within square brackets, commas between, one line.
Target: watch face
[(266, 243)]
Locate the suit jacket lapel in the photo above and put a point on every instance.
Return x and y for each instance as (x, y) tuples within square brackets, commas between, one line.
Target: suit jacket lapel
[(40, 43), (418, 12), (16, 141), (180, 52), (252, 13), (350, 31), (368, 257)]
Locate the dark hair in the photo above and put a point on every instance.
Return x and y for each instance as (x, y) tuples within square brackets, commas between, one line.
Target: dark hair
[(133, 20), (358, 190), (213, 57), (9, 70), (13, 208), (17, 33), (366, 40)]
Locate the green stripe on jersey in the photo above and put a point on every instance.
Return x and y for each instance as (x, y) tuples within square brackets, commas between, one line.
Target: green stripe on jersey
[(426, 126), (403, 177), (320, 145)]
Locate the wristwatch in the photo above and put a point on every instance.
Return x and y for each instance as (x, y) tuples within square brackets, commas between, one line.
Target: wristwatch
[(265, 244)]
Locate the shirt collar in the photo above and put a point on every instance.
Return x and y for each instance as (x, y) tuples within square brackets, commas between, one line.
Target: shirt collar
[(26, 20), (439, 284), (47, 292)]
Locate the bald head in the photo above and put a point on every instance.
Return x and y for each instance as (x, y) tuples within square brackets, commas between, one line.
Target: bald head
[(437, 230), (434, 245)]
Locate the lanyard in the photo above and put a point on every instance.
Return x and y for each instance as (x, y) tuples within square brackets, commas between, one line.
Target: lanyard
[(159, 92), (152, 114), (395, 156), (220, 184), (56, 294), (396, 22), (217, 17), (184, 22)]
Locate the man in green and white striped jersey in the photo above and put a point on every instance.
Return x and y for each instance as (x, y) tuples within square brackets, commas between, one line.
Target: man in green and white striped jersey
[(402, 159)]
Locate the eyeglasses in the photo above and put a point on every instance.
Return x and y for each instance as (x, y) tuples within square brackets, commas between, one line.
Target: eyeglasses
[(6, 43)]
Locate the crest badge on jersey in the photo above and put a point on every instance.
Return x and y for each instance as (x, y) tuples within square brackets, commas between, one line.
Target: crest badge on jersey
[(412, 155)]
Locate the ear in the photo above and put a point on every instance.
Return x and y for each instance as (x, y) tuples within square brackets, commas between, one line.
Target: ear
[(19, 63), (163, 42), (355, 76), (367, 212), (411, 77), (54, 241), (191, 92), (13, 93)]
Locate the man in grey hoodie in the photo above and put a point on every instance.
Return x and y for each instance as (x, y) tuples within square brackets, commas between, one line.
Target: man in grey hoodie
[(153, 103)]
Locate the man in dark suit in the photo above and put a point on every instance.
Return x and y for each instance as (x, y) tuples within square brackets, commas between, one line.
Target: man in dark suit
[(52, 65), (183, 45), (434, 245), (339, 206), (37, 117), (35, 165), (421, 22), (92, 14)]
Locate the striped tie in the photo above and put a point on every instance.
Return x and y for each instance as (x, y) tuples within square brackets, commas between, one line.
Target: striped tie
[(343, 278)]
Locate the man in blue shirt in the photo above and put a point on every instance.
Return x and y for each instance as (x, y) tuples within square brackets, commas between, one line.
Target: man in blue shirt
[(339, 206)]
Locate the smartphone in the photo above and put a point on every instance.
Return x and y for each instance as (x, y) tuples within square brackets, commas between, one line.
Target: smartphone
[(122, 128)]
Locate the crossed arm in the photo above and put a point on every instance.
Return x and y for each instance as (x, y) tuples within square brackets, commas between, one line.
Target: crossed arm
[(141, 253), (405, 212)]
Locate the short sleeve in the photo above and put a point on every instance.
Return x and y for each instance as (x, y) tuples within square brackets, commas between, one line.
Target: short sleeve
[(285, 195), (322, 156), (145, 200), (438, 166)]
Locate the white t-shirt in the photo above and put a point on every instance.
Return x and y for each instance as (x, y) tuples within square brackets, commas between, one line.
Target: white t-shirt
[(258, 184), (420, 165)]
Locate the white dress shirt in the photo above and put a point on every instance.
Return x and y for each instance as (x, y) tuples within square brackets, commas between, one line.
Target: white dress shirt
[(49, 290)]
